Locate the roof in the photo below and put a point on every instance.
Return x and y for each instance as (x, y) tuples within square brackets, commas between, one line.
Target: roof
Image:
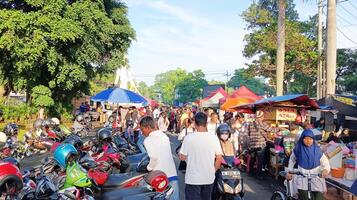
[(244, 91), (213, 99), (210, 89), (297, 99)]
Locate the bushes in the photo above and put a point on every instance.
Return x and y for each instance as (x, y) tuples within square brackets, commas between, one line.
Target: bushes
[(16, 113)]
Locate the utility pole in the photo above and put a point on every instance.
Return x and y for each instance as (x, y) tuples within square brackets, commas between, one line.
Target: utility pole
[(227, 75), (280, 54), (319, 81), (331, 48)]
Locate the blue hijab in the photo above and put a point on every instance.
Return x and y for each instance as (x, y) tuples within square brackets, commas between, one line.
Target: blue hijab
[(307, 157)]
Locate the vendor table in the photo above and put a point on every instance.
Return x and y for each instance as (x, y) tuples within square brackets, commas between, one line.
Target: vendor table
[(340, 184)]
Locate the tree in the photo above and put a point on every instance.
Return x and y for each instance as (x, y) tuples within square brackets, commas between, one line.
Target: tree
[(242, 77), (146, 90), (346, 71), (191, 87), (166, 82), (41, 98), (61, 44), (300, 51)]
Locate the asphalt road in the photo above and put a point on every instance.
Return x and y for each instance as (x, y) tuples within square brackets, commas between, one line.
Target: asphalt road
[(254, 189)]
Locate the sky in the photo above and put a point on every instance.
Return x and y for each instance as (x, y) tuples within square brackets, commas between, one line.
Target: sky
[(205, 34)]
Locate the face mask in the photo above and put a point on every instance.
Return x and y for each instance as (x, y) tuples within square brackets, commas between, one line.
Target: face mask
[(224, 137)]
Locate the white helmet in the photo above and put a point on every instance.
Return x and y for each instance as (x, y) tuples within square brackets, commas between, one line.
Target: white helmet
[(3, 137), (55, 120)]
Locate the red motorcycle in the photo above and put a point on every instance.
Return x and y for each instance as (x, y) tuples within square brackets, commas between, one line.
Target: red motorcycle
[(110, 156)]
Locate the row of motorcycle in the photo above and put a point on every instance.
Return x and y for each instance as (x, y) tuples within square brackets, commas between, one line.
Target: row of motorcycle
[(44, 136), (111, 165)]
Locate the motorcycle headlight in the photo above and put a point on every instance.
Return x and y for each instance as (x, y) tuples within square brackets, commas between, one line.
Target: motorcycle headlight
[(238, 188), (227, 188)]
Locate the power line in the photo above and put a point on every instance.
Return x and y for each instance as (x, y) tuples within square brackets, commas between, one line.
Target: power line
[(347, 10), (346, 36)]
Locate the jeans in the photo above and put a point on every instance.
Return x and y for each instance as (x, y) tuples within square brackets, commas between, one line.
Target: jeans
[(259, 154), (198, 192), (140, 144), (175, 186)]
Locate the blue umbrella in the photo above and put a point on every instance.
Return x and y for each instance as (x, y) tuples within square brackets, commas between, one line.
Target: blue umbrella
[(119, 96)]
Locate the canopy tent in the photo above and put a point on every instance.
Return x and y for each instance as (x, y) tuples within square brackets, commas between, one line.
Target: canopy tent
[(120, 96), (242, 91), (233, 102), (296, 100), (213, 99)]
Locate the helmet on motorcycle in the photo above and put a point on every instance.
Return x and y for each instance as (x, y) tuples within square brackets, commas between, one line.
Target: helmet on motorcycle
[(55, 121), (13, 161), (104, 134), (75, 140), (224, 129), (3, 137), (47, 123), (79, 118), (157, 180), (38, 124), (63, 152), (129, 123), (10, 178), (11, 129)]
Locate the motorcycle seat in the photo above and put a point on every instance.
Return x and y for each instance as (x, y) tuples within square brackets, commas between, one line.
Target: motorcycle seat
[(116, 180), (125, 193)]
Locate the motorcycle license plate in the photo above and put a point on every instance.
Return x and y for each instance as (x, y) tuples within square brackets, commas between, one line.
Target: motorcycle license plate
[(234, 174)]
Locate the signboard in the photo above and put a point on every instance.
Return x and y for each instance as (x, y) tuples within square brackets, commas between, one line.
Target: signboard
[(279, 113)]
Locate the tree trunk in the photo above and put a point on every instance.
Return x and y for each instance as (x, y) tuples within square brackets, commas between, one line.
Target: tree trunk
[(280, 55), (41, 113)]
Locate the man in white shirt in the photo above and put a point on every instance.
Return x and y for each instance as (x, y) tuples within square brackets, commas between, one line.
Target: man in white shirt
[(156, 113), (213, 124), (203, 154), (158, 148)]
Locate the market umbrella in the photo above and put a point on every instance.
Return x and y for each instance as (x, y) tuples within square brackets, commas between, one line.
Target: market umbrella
[(233, 102), (120, 96)]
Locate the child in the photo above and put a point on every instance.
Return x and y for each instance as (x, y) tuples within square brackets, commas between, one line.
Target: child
[(310, 159)]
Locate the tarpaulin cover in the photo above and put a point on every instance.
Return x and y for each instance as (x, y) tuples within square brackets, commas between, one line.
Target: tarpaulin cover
[(297, 99)]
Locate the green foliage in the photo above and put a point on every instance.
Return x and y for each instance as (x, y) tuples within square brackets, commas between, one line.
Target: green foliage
[(41, 96), (15, 113), (347, 71), (191, 87), (166, 82), (61, 44), (242, 77), (300, 49), (146, 90), (63, 111)]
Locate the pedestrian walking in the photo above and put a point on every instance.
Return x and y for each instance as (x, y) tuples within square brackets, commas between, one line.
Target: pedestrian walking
[(203, 154), (158, 148)]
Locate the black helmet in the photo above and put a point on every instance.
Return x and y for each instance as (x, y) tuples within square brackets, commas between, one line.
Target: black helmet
[(75, 140), (130, 123), (79, 118), (104, 134), (11, 129), (13, 161), (223, 129), (38, 124)]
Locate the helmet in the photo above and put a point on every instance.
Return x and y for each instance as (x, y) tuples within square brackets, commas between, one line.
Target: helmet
[(79, 118), (55, 121), (11, 129), (63, 152), (104, 134), (3, 137), (157, 180), (45, 189), (130, 123), (38, 124), (75, 140), (10, 178), (47, 123), (223, 129), (13, 161)]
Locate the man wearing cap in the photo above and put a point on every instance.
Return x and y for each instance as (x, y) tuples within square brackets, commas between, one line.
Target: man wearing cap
[(257, 133)]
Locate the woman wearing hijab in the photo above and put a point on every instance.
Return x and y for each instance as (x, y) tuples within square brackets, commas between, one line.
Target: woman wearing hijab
[(310, 159)]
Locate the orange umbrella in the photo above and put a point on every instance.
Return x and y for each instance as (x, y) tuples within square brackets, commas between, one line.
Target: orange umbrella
[(233, 102)]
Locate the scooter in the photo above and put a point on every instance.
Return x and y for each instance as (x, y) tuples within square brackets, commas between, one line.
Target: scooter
[(228, 183)]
